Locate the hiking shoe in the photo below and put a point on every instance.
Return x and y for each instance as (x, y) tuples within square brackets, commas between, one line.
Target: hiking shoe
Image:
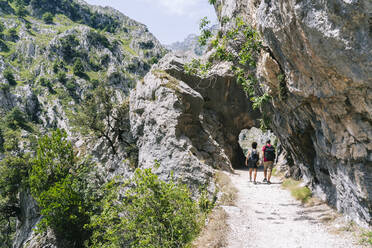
[(268, 182), (265, 180)]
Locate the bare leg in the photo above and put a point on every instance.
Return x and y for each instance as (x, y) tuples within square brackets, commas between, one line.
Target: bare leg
[(269, 176), (250, 174), (255, 174), (265, 173)]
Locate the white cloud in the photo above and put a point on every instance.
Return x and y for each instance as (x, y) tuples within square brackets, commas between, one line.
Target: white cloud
[(180, 7)]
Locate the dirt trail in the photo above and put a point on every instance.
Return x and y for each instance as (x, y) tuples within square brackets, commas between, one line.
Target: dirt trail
[(267, 216)]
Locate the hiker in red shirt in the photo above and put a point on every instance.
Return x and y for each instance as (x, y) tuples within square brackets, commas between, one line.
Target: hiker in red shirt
[(268, 153)]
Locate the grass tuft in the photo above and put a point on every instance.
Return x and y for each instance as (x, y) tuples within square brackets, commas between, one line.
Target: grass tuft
[(302, 194), (214, 234), (367, 238), (229, 192)]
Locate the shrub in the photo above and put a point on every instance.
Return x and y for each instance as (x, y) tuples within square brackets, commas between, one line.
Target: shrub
[(153, 213), (153, 60), (71, 85), (8, 75), (21, 11), (98, 39), (68, 47), (61, 76), (48, 18), (206, 33), (58, 192), (28, 26), (78, 68), (13, 176), (15, 119), (12, 33)]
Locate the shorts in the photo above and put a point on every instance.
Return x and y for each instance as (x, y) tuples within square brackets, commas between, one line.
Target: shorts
[(252, 165), (269, 165)]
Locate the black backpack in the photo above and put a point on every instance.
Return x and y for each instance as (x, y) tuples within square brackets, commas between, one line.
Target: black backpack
[(270, 153), (253, 157)]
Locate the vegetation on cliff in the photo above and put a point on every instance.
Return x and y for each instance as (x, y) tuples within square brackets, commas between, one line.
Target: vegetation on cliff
[(64, 64)]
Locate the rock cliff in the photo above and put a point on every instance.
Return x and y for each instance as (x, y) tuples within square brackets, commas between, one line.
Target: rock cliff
[(189, 124), (324, 51), (316, 67), (49, 69)]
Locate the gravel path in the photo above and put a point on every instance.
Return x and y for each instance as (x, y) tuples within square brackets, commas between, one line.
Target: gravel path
[(267, 216)]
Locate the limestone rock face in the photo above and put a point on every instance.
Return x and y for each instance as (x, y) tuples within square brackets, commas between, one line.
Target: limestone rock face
[(189, 125), (324, 51)]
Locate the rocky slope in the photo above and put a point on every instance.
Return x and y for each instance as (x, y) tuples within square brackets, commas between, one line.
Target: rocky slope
[(315, 69), (50, 68)]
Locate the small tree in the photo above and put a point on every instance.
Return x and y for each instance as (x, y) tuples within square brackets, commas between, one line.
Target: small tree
[(101, 115), (58, 182), (9, 77), (12, 33), (21, 11), (78, 68), (154, 214), (48, 18)]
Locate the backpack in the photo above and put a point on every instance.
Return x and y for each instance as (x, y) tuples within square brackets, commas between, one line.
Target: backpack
[(253, 157), (270, 153)]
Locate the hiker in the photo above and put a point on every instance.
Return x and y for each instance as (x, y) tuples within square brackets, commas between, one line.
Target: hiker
[(251, 161), (268, 153)]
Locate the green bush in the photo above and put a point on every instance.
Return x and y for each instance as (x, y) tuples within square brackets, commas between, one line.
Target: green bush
[(8, 75), (61, 76), (58, 183), (12, 33), (71, 85), (68, 47), (21, 11), (151, 214), (15, 119), (98, 39), (48, 18), (13, 176), (78, 68), (28, 26)]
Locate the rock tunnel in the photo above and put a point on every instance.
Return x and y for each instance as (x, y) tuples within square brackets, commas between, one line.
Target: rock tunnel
[(224, 101)]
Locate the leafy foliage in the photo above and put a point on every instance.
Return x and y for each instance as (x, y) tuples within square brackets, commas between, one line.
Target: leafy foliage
[(47, 18), (102, 116), (79, 68), (58, 183), (21, 11), (154, 214), (244, 60), (8, 75), (206, 33), (11, 33), (68, 46), (15, 119), (98, 39)]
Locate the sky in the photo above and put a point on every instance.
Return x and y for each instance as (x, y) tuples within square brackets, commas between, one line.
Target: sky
[(168, 20)]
